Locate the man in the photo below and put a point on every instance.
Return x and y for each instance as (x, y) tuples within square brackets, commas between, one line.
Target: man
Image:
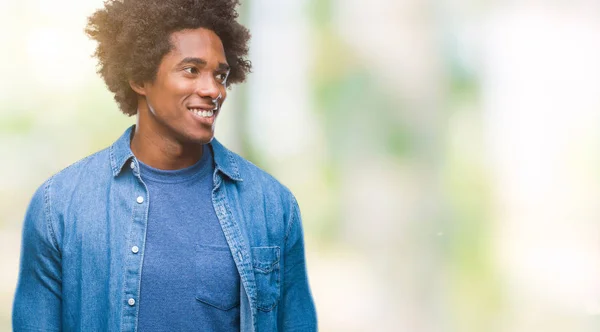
[(165, 230)]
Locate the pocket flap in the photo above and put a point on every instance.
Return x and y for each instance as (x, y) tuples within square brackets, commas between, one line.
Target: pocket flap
[(264, 259)]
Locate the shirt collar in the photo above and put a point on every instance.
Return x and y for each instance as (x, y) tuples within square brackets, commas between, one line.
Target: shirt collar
[(225, 160), (120, 153)]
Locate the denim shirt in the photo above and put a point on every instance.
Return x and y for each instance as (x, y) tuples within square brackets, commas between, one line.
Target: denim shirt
[(83, 246)]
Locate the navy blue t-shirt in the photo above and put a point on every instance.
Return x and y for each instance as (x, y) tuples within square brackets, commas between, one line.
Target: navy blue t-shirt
[(189, 279)]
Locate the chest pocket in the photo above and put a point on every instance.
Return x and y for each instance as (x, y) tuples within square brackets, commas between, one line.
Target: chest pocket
[(265, 262), (218, 282)]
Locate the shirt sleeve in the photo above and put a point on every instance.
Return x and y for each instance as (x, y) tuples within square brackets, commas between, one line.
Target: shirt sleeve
[(297, 309), (37, 302)]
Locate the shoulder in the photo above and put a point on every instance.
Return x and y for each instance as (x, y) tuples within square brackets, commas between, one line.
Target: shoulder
[(62, 190), (93, 168), (85, 175), (247, 176), (254, 177)]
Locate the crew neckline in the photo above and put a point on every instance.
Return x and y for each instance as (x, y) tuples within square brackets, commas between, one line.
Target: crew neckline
[(200, 168)]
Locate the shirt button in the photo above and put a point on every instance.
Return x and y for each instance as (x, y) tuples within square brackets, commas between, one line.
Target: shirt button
[(132, 165), (135, 249), (140, 199), (131, 302)]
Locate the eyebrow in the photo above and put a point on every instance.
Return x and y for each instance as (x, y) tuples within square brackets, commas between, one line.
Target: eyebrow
[(202, 62)]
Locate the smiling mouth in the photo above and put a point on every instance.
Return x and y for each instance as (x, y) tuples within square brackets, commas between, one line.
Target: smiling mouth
[(202, 112)]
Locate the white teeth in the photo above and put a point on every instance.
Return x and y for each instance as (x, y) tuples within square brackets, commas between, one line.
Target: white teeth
[(201, 113)]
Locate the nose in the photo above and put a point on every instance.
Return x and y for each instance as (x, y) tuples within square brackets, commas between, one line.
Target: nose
[(208, 87)]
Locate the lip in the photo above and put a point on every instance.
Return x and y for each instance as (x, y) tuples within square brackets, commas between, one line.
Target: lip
[(203, 107)]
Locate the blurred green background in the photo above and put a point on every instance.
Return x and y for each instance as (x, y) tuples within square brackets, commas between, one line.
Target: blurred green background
[(445, 154)]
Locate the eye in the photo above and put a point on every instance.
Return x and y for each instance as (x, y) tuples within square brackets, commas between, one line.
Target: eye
[(191, 70), (222, 77)]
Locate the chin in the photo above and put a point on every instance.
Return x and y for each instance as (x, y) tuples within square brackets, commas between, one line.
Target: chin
[(203, 138), (192, 133)]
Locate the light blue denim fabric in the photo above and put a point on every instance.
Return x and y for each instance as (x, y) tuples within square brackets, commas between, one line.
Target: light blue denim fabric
[(83, 246)]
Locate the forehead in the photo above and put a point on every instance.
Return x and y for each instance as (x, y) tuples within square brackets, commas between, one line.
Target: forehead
[(199, 43)]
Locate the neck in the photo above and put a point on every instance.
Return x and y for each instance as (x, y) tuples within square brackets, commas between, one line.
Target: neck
[(156, 148)]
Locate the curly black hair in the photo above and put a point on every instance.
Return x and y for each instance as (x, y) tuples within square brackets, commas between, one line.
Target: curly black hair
[(134, 35)]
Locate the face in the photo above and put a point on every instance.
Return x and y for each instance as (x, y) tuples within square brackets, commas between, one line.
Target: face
[(182, 103)]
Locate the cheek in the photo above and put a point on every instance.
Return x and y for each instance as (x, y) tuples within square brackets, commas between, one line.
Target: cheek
[(182, 87), (167, 91), (175, 85)]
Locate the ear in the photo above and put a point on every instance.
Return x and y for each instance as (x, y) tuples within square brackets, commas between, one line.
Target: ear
[(140, 89)]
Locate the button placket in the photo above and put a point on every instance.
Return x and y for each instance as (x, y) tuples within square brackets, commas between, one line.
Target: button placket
[(135, 243)]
